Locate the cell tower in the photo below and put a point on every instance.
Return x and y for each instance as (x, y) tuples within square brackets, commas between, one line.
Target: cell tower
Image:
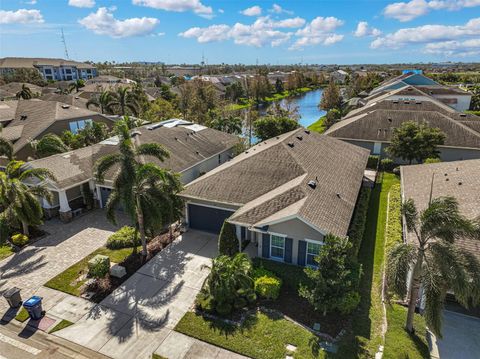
[(65, 45)]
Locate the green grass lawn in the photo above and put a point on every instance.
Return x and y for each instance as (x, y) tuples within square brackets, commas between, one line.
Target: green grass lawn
[(318, 126), (68, 282), (61, 325), (367, 322), (398, 342), (260, 336), (22, 315), (5, 251)]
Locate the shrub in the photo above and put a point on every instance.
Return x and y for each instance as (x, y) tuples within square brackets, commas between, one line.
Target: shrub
[(291, 275), (227, 241), (268, 287), (19, 239), (357, 226), (349, 302), (205, 302), (99, 266), (373, 162), (123, 238), (240, 303), (433, 160), (387, 164), (223, 308), (260, 272)]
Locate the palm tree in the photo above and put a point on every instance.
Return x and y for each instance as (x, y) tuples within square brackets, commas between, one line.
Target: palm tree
[(229, 124), (146, 191), (123, 99), (102, 100), (6, 147), (19, 201), (25, 93), (49, 145), (77, 85), (434, 261)]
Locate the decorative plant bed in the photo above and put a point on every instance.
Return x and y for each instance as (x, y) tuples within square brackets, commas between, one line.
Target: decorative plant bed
[(74, 280)]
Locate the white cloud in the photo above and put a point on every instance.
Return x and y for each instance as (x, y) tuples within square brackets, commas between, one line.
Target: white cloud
[(21, 16), (252, 11), (178, 6), (81, 3), (290, 23), (426, 34), (406, 11), (208, 34), (277, 9), (31, 2), (319, 31), (454, 48), (103, 22), (364, 30)]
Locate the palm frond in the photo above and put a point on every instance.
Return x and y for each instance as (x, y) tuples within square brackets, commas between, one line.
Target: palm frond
[(153, 149), (410, 214), (400, 261), (104, 164), (6, 148)]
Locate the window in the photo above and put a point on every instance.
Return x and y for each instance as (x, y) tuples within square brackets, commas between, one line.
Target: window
[(48, 71), (76, 126), (277, 247), (312, 251)]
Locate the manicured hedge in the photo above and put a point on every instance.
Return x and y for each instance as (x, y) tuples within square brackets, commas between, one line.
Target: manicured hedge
[(123, 238), (227, 240), (291, 275), (387, 165), (357, 226), (268, 286), (393, 230), (373, 162)]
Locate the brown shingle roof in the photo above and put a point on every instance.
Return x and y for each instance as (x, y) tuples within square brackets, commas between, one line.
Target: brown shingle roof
[(76, 166), (460, 179), (378, 125), (71, 99), (31, 62), (273, 178)]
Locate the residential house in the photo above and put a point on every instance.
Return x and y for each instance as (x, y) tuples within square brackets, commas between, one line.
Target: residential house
[(9, 91), (339, 76), (284, 195), (50, 69), (194, 150), (26, 120), (459, 179), (454, 97)]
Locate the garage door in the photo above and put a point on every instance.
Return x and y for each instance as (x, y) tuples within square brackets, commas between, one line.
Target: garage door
[(206, 218)]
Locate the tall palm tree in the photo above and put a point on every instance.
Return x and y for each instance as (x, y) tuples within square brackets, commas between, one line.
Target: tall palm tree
[(50, 144), (20, 202), (123, 99), (229, 124), (25, 93), (146, 191), (102, 100), (77, 85), (434, 261)]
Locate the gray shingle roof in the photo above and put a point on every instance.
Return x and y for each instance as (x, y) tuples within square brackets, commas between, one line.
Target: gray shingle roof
[(272, 180), (185, 151), (460, 179), (31, 62), (378, 125)]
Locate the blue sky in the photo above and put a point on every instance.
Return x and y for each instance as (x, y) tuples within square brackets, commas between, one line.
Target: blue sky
[(276, 32)]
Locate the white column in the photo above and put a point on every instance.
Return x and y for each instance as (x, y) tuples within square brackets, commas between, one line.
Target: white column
[(64, 206), (99, 197)]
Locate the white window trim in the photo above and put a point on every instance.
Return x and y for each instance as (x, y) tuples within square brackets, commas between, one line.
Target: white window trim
[(270, 249), (306, 251)]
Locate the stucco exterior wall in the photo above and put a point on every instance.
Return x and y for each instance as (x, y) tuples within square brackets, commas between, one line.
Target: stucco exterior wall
[(201, 168)]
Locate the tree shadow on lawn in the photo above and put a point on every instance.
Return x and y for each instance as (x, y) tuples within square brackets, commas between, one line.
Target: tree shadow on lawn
[(228, 329)]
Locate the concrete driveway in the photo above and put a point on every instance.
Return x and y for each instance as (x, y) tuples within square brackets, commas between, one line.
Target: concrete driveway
[(137, 317), (461, 338)]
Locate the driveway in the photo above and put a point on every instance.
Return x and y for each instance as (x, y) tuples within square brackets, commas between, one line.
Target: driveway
[(65, 244), (461, 337), (137, 317)]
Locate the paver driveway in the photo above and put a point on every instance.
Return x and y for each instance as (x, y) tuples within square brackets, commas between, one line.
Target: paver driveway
[(64, 245), (137, 317)]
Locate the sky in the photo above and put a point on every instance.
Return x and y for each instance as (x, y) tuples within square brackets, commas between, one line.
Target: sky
[(234, 31)]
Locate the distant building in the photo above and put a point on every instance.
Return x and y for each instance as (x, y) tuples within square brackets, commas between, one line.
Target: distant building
[(339, 76), (50, 69)]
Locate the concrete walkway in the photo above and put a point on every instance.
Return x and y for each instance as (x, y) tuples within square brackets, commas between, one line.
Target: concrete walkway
[(64, 245), (137, 317), (461, 338)]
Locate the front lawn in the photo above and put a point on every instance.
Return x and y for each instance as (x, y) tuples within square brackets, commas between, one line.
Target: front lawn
[(73, 278), (5, 251), (260, 336), (398, 342), (61, 325)]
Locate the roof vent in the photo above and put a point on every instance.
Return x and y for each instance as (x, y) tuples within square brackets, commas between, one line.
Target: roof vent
[(459, 183), (291, 144), (299, 138), (406, 102), (23, 117), (338, 195), (447, 179), (312, 184), (418, 102), (197, 152), (395, 101), (176, 138), (463, 115), (65, 106), (278, 137), (389, 119), (307, 132)]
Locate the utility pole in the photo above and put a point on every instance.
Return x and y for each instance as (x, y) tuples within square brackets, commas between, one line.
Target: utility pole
[(65, 45)]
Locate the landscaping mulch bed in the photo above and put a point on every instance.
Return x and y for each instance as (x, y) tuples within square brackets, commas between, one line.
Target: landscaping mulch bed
[(298, 309), (105, 286)]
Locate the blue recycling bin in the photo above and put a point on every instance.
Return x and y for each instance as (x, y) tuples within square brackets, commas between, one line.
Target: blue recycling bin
[(34, 307)]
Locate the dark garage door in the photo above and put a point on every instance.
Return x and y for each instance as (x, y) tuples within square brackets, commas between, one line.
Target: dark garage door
[(206, 218)]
